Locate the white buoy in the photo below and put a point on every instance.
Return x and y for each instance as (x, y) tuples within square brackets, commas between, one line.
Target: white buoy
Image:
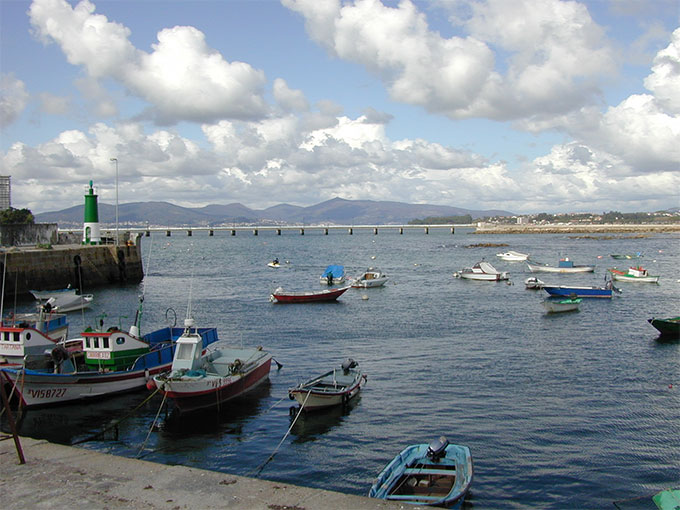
[(364, 297)]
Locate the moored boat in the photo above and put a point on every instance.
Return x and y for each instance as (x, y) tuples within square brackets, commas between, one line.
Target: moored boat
[(28, 339), (283, 296), (581, 291), (563, 266), (482, 271), (438, 474), (626, 256), (633, 274), (561, 305), (667, 328), (513, 256), (533, 283), (63, 300), (112, 362), (197, 382), (333, 275), (370, 278), (336, 387)]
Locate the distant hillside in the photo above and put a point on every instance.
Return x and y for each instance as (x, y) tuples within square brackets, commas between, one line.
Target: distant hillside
[(336, 211)]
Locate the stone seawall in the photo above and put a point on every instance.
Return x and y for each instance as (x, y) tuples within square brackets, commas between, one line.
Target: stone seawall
[(83, 267), (488, 228)]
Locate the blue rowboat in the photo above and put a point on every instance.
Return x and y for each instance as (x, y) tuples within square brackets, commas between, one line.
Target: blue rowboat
[(438, 474), (581, 292)]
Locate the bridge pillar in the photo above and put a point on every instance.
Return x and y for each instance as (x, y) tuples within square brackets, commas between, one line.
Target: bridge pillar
[(452, 230), (427, 230), (375, 231), (212, 233), (325, 231), (255, 232), (189, 233), (167, 233), (401, 230), (302, 231), (278, 231), (233, 232), (349, 231)]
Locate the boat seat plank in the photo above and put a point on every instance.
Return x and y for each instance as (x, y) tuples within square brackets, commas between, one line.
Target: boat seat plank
[(411, 497), (427, 471)]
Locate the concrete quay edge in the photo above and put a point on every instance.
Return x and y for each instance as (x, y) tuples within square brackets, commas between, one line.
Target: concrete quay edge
[(58, 476)]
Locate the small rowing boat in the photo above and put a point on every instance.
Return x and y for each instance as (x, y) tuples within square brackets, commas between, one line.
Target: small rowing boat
[(315, 296), (438, 474), (336, 387)]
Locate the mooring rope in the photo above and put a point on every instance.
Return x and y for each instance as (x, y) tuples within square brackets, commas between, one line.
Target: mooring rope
[(153, 424), (115, 423), (258, 470)]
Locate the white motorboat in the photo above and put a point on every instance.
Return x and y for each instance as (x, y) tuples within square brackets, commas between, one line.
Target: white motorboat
[(482, 271), (513, 256), (533, 283), (63, 300), (370, 278)]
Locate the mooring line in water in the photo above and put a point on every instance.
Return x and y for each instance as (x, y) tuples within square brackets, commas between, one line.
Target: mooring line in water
[(115, 423), (153, 424), (259, 470)]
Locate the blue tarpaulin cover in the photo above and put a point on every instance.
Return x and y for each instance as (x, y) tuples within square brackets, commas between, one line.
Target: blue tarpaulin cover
[(335, 270)]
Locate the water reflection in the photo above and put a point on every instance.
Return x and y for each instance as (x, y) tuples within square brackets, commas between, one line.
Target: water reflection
[(310, 425)]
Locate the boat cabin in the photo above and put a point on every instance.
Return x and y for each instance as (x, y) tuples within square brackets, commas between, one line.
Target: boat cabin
[(30, 334), (189, 349), (112, 350), (565, 262)]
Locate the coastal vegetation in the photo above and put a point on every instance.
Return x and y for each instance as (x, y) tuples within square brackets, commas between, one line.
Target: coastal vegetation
[(13, 216)]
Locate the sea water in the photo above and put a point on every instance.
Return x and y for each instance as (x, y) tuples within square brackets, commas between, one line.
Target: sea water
[(570, 410)]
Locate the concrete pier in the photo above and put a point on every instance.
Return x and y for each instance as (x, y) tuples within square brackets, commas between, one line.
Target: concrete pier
[(81, 266), (57, 476)]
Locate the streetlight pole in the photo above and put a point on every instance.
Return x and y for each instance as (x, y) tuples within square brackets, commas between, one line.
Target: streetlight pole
[(116, 160)]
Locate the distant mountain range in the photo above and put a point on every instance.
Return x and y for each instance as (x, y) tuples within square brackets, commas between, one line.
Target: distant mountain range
[(336, 211)]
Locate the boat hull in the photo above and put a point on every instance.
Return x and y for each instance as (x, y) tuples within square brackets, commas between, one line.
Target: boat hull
[(559, 306), (317, 400), (538, 268), (307, 297), (212, 391), (333, 388), (413, 478), (579, 292), (38, 388), (667, 328), (483, 277)]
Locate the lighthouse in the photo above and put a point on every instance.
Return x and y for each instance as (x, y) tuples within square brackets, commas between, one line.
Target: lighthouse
[(91, 224)]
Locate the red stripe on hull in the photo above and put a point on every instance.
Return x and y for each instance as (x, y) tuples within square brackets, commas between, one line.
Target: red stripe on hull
[(188, 402)]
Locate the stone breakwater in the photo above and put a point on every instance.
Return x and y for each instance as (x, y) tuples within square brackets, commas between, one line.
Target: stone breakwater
[(82, 267), (488, 228)]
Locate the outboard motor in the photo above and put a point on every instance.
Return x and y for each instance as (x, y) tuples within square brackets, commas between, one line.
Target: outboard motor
[(347, 364), (437, 448)]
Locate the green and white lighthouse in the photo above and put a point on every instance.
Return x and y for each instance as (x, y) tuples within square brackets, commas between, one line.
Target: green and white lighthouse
[(91, 233)]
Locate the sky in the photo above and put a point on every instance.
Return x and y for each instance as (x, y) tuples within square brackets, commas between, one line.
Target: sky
[(527, 106)]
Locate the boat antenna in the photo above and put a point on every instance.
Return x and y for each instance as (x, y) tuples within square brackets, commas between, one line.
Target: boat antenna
[(189, 321), (134, 329)]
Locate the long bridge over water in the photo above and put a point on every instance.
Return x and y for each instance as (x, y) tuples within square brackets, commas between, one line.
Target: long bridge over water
[(278, 229)]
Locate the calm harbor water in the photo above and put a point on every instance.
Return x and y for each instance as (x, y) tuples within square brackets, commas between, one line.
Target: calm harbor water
[(560, 411)]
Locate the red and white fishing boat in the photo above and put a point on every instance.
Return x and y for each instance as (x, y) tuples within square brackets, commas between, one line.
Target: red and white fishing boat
[(198, 382), (333, 388), (281, 296), (111, 362)]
